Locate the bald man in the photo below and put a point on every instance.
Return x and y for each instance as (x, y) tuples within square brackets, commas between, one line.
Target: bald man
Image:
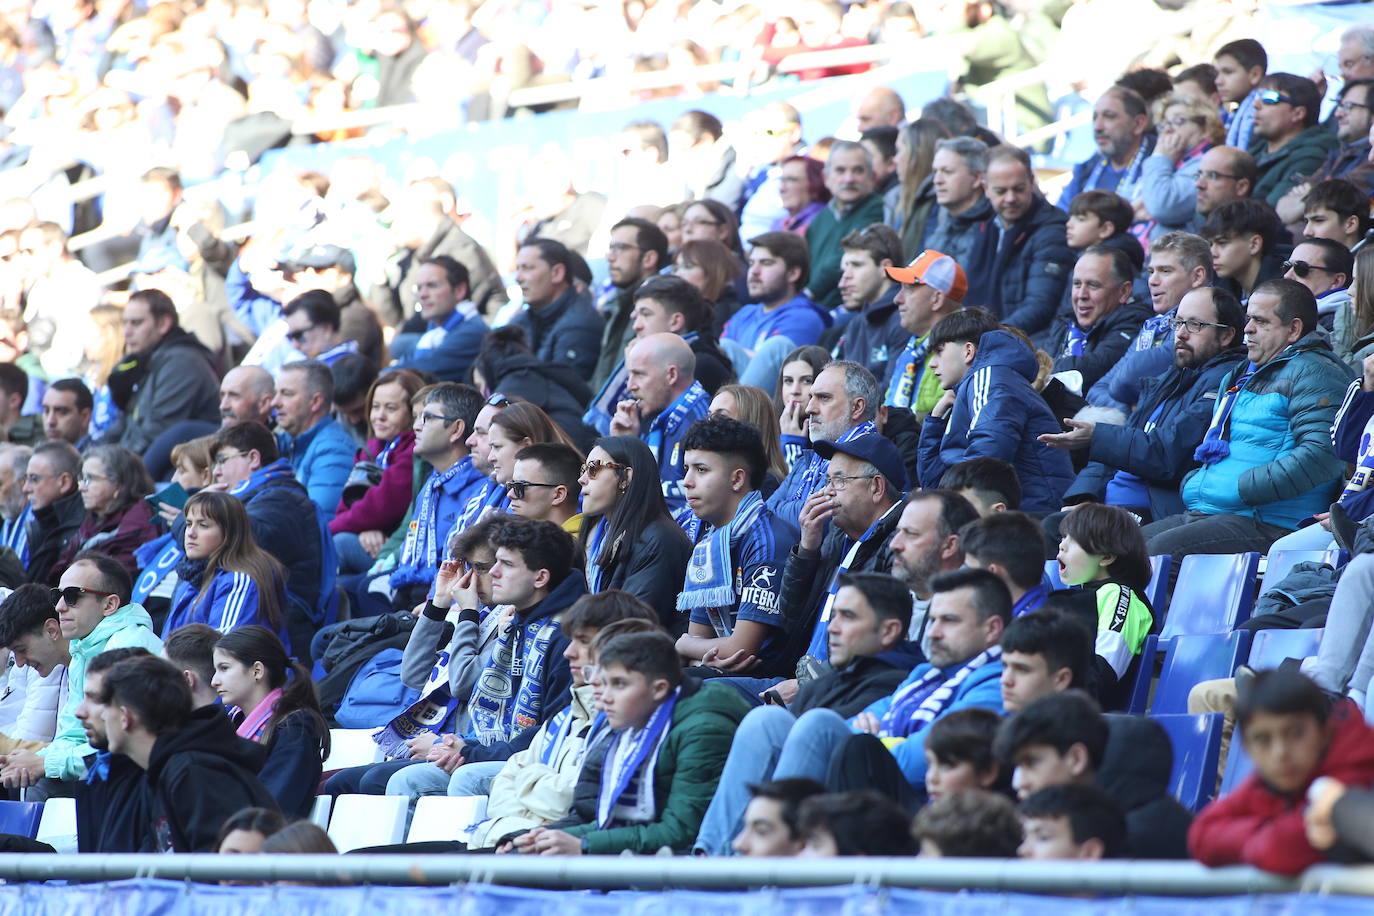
[(881, 107), (246, 394), (665, 400)]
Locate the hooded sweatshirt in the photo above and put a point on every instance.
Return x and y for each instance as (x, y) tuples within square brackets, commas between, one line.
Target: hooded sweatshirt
[(1135, 771)]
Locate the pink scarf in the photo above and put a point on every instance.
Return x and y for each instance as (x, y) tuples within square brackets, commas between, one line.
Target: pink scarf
[(252, 725)]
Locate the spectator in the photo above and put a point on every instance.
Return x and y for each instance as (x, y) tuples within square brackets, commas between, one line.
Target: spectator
[(118, 520), (197, 772), (873, 333), (245, 395), (313, 327), (191, 649), (774, 135), (227, 580), (711, 221), (799, 370), (1043, 653), (545, 485), (245, 832), (1020, 280), (959, 754), (853, 824), (1103, 218), (1257, 824), (925, 543), (1072, 822), (644, 688), (1189, 129), (453, 326), (879, 107), (15, 426), (94, 613), (1334, 210), (559, 322), (734, 577), (1006, 545), (1064, 739), (300, 838), (1349, 160), (377, 511), (989, 484), (770, 826), (854, 204), (1326, 268), (713, 269), (1121, 130), (1199, 82), (671, 304), (802, 189), (311, 439), (511, 429), (15, 509), (1139, 465), (505, 368), (705, 161), (638, 250), (932, 284), (1288, 140), (1105, 318), (50, 483), (630, 541), (1253, 486), (278, 708), (881, 143), (353, 378), (36, 667), (67, 406), (960, 168), (989, 409), (1243, 234), (1241, 66), (973, 823), (915, 198), (779, 263)]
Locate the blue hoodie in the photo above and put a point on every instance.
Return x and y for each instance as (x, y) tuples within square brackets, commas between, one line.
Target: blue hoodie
[(997, 414), (799, 320)]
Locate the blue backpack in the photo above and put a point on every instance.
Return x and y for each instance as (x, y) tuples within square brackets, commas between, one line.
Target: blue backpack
[(376, 695)]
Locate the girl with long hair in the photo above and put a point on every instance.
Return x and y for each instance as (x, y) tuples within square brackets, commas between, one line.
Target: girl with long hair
[(916, 199), (799, 371), (277, 706)]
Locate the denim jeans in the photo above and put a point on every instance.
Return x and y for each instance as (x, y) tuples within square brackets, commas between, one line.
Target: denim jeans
[(352, 558), (1345, 658), (474, 778), (1198, 532)]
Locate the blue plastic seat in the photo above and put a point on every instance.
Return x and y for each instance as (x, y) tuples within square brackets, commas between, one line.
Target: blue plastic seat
[(1197, 751), (1214, 593), (1269, 648), (1238, 766), (1281, 563), (20, 817), (1158, 590), (1192, 660), (1052, 573)]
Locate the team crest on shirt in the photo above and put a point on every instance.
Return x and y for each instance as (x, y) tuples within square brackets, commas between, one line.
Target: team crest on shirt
[(677, 451), (762, 590)]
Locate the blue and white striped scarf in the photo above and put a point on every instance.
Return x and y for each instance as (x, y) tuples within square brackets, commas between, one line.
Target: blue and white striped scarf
[(924, 700), (710, 581)]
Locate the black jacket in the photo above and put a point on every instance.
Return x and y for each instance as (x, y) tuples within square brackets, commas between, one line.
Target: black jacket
[(1022, 281), (197, 777), (616, 334), (851, 689), (874, 338), (176, 381), (714, 368), (1107, 342), (651, 568), (282, 516), (52, 527), (567, 332), (294, 764), (112, 811), (1135, 771), (556, 388)]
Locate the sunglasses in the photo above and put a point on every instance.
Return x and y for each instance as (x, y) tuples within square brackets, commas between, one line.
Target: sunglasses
[(498, 400), (517, 488), (1274, 97), (592, 468), (72, 594), (1301, 268)]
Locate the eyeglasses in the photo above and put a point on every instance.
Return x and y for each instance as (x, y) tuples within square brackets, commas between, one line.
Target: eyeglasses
[(35, 479), (1212, 175), (517, 488), (1274, 97), (1193, 325), (499, 401), (222, 460), (592, 468), (297, 336), (87, 479), (427, 416), (72, 594), (1302, 268), (839, 482), (1345, 106)]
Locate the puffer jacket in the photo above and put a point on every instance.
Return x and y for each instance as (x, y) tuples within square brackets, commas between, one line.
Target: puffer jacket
[(1021, 282), (997, 414), (1281, 468)]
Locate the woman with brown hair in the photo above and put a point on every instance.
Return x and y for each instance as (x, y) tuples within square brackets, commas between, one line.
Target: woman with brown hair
[(713, 270), (118, 519)]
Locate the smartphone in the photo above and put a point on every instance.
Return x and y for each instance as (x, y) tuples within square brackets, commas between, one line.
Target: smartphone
[(174, 495)]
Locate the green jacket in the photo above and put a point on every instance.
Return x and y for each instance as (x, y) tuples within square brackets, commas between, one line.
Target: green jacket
[(823, 239), (685, 777), (1280, 172), (127, 627)]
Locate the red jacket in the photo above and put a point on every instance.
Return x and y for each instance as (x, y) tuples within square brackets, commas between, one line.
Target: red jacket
[(383, 506), (1255, 825)]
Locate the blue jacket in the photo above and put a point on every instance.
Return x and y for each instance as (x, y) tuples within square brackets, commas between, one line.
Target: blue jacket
[(799, 320), (982, 689), (875, 336), (452, 358), (997, 414), (1151, 354), (1021, 281), (1164, 453), (1282, 468), (322, 458), (1351, 435), (231, 601), (567, 330)]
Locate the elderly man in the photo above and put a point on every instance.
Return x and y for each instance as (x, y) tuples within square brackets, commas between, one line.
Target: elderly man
[(1104, 321), (854, 204), (665, 400), (1121, 129), (245, 395)]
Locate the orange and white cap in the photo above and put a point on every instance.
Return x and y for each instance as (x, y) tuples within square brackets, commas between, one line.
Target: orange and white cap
[(933, 268)]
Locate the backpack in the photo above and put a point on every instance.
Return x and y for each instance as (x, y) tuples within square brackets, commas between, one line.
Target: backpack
[(353, 643), (376, 695)]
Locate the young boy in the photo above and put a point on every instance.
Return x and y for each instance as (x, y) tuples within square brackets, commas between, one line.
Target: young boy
[(1072, 822), (1006, 545), (1336, 210), (1043, 653), (1294, 735), (1242, 234), (959, 754), (192, 650), (771, 825), (858, 823), (1097, 218), (648, 785), (1241, 66), (968, 824)]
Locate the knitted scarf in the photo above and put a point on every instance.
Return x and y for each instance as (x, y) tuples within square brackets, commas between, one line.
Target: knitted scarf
[(424, 543), (631, 756), (509, 695), (1213, 447), (901, 391), (666, 427), (925, 699), (255, 722), (155, 560), (709, 582)]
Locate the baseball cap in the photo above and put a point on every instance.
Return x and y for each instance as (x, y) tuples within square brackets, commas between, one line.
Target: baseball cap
[(933, 268), (873, 447), (320, 257)]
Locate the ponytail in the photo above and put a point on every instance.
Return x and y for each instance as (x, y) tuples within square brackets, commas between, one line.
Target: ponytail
[(298, 694)]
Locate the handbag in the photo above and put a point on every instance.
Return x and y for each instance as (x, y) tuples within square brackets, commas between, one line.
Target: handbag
[(365, 474)]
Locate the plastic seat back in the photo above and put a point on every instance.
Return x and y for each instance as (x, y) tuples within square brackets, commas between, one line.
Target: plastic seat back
[(1238, 766), (21, 817), (1192, 660), (1214, 593), (439, 817), (1052, 573), (350, 747), (368, 820), (1197, 751), (1269, 648), (57, 826), (1158, 590)]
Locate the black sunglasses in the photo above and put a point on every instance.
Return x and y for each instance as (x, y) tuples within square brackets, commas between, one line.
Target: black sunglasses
[(72, 594), (1302, 268), (516, 488), (498, 400)]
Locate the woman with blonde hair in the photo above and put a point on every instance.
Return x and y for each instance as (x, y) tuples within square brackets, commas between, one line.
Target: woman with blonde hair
[(1168, 179), (753, 406)]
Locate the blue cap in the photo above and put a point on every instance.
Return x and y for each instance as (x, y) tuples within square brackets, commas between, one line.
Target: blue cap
[(873, 447)]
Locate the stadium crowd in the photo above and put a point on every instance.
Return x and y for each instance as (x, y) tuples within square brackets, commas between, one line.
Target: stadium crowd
[(841, 514)]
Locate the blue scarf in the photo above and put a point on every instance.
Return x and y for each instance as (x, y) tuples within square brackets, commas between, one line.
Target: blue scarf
[(155, 560), (383, 458), (1076, 341), (925, 699), (820, 638), (16, 534), (337, 352), (1129, 182), (420, 555), (811, 478), (602, 408), (595, 574), (690, 406), (1213, 447), (509, 695), (901, 391), (1155, 331), (427, 714), (709, 581), (639, 753), (435, 333), (279, 468), (1031, 600)]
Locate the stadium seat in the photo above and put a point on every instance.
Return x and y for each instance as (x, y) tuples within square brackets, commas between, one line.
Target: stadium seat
[(368, 820), (350, 747), (1214, 593), (1238, 766), (1197, 751), (20, 817), (1191, 660), (57, 827), (1157, 592), (1052, 573), (319, 812), (439, 817), (1281, 562), (1269, 648)]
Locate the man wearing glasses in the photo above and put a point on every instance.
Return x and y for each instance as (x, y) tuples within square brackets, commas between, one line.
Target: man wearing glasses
[(1288, 142), (1350, 159), (94, 613), (1225, 174), (1326, 268), (1139, 465), (50, 485)]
